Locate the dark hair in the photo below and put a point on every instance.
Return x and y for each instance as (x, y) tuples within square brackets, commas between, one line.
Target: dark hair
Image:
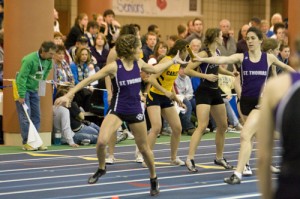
[(180, 45), (61, 92), (151, 28), (256, 20), (60, 48), (269, 44), (47, 45), (181, 28), (282, 46), (197, 19), (278, 26), (137, 26), (160, 43), (108, 12), (126, 45), (128, 29), (210, 35), (257, 32), (92, 24)]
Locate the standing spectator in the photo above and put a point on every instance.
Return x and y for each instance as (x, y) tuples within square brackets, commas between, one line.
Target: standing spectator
[(151, 28), (276, 18), (183, 87), (255, 22), (265, 28), (81, 42), (34, 69), (113, 27), (190, 27), (151, 39), (228, 46), (198, 30), (91, 32), (171, 40), (241, 46), (77, 30), (182, 31)]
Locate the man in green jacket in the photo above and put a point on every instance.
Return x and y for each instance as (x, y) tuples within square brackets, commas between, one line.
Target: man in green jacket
[(34, 69)]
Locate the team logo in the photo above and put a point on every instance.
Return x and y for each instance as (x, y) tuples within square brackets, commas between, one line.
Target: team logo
[(140, 117)]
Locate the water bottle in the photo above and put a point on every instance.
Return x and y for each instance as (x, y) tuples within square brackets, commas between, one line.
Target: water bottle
[(57, 138)]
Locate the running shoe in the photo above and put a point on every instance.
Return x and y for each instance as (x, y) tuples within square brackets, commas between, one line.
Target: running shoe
[(247, 170), (138, 157), (154, 191), (94, 178), (275, 169), (110, 160), (27, 147), (223, 162), (190, 164), (233, 179), (42, 148), (121, 137), (177, 161)]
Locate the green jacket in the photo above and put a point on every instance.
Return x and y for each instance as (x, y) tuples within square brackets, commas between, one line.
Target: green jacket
[(26, 80)]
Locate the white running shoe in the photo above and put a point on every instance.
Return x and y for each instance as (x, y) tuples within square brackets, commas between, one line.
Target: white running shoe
[(129, 134), (110, 160), (144, 164), (138, 157), (247, 170), (177, 161)]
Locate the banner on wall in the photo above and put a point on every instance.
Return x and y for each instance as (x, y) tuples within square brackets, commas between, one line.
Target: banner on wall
[(157, 8)]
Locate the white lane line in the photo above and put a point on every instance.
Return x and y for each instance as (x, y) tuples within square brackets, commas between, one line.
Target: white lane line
[(111, 183), (172, 189)]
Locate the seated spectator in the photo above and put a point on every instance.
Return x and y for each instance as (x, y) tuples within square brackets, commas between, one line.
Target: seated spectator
[(81, 42), (183, 86), (62, 71), (284, 53), (77, 30), (148, 48), (58, 40), (98, 51), (91, 32), (71, 123)]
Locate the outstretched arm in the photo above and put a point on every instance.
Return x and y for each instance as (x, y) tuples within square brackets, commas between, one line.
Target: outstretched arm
[(233, 59)]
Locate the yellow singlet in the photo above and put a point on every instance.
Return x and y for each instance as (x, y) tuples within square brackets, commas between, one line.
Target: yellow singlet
[(167, 78)]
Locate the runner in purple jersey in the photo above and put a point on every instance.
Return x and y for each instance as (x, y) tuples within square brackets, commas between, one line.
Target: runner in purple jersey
[(125, 71), (254, 67), (280, 112)]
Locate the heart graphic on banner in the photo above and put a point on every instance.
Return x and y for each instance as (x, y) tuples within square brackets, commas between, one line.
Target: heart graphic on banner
[(162, 4)]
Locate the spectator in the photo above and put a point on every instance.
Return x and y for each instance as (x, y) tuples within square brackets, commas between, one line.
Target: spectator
[(113, 27), (198, 30), (148, 49), (91, 32), (183, 87), (182, 31), (34, 69), (77, 30)]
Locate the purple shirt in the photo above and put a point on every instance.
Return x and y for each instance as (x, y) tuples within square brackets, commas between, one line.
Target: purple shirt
[(254, 75), (126, 88)]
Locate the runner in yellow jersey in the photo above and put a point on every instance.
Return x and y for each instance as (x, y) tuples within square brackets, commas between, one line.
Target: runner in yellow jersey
[(160, 101)]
